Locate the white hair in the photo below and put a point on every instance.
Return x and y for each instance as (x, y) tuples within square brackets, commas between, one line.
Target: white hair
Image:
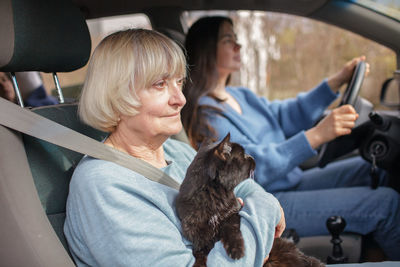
[(122, 63)]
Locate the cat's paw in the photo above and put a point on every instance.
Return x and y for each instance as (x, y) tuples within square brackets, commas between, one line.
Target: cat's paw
[(235, 249)]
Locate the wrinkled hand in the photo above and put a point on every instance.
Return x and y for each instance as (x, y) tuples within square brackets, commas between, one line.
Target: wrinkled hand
[(344, 75), (339, 122)]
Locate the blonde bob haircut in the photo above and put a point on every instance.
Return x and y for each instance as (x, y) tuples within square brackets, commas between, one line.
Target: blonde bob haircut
[(124, 62)]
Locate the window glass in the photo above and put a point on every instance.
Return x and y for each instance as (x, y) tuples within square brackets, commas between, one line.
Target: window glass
[(283, 55), (71, 82), (389, 8)]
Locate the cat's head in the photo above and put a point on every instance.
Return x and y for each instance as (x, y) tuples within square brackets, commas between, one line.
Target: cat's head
[(227, 163)]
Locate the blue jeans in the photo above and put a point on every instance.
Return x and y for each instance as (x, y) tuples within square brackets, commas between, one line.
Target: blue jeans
[(342, 188)]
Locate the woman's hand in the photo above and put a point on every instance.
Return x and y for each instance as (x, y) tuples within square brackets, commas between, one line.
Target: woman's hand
[(240, 200), (339, 122), (344, 75)]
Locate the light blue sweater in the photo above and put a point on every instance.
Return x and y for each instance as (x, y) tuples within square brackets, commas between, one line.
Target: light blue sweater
[(116, 217), (271, 131)]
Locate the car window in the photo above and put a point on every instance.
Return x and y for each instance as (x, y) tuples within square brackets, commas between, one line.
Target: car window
[(72, 82), (283, 55), (389, 8)]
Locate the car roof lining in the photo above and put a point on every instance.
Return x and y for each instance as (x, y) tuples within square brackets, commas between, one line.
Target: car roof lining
[(101, 8)]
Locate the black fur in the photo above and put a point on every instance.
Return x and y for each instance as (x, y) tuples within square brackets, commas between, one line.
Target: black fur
[(208, 208)]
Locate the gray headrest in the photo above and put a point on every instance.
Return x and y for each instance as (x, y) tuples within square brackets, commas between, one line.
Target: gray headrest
[(42, 35), (178, 37)]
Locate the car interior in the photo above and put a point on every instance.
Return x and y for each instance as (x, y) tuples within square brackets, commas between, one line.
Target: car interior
[(33, 217), (53, 37)]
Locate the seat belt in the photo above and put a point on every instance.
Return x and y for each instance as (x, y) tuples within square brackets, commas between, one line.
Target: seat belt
[(27, 122)]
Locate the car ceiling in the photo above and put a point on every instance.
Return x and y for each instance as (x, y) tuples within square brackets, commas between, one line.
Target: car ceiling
[(102, 8)]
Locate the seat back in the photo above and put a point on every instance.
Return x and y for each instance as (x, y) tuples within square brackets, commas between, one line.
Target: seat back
[(34, 181), (49, 36), (27, 238), (52, 166)]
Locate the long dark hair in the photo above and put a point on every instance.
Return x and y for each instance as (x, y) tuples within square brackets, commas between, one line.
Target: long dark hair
[(201, 48)]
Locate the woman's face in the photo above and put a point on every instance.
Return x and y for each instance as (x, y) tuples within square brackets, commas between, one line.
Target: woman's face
[(228, 50), (159, 113)]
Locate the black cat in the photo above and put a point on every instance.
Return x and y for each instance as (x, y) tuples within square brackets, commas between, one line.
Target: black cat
[(209, 210)]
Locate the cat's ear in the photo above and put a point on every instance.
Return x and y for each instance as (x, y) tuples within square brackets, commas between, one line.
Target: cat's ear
[(223, 149)]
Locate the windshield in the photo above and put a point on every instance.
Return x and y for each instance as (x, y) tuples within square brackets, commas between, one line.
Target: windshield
[(390, 8)]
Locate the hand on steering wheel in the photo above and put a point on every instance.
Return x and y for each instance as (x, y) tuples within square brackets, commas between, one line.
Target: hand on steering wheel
[(353, 88), (344, 75), (337, 123), (329, 150)]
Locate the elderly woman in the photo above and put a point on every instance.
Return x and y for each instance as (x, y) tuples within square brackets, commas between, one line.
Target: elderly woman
[(116, 217)]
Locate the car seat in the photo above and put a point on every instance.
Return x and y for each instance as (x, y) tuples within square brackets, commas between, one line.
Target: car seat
[(49, 36)]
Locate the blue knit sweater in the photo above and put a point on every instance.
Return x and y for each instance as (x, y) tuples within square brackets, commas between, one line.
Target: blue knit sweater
[(271, 131), (116, 217)]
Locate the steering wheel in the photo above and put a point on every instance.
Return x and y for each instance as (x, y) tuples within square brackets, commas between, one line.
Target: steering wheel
[(354, 86), (344, 144)]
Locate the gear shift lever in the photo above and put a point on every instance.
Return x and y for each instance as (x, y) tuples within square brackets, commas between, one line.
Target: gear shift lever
[(336, 225)]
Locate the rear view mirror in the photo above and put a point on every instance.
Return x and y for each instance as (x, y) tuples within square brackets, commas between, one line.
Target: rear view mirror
[(390, 93)]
